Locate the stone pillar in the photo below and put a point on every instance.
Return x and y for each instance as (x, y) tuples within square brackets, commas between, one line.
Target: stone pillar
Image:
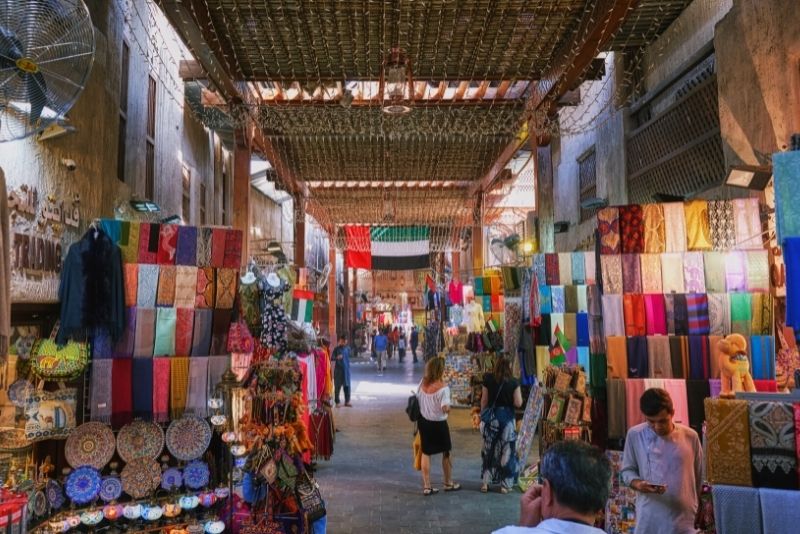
[(241, 189)]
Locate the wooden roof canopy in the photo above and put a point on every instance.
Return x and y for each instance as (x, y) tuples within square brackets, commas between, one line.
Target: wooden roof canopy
[(311, 78)]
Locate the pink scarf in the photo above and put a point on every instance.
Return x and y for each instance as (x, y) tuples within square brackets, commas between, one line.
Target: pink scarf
[(161, 373), (655, 311)]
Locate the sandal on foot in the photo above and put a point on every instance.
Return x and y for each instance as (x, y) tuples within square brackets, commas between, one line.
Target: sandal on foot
[(504, 491), (429, 491), (484, 489), (455, 486)]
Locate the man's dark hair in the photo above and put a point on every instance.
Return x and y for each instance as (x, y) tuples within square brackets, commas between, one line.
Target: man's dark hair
[(342, 338), (579, 474), (654, 400)]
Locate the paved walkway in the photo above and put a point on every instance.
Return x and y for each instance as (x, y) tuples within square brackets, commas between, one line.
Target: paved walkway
[(370, 484)]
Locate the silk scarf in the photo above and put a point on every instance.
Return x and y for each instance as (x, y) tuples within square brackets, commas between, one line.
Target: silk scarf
[(697, 313), (680, 402), (571, 299), (551, 269), (631, 229), (608, 229), (148, 242), (143, 391), (167, 244), (655, 237), (147, 286), (166, 319), (698, 232), (655, 314), (233, 249), (681, 313), (100, 395), (761, 323), (651, 273), (185, 286), (166, 286), (217, 365), (131, 281), (130, 248), (719, 314), (720, 221), (714, 263), (735, 269), (747, 220), (162, 370), (637, 357), (699, 358), (694, 278), (121, 392), (613, 315), (658, 357), (558, 299), (145, 333), (126, 345), (565, 268), (206, 287), (590, 268), (772, 445), (631, 273), (635, 316), (578, 268), (757, 270), (634, 388), (679, 356), (204, 247), (741, 313), (675, 226), (197, 398), (184, 329), (186, 253), (617, 408), (617, 356), (762, 357), (672, 272), (611, 266), (728, 442), (218, 238), (226, 288), (178, 386)]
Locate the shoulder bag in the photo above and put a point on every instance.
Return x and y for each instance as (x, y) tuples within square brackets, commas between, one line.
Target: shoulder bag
[(412, 406), (488, 412), (309, 497), (51, 362)]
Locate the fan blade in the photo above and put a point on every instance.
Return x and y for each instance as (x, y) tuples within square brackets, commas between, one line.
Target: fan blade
[(37, 95), (10, 48)]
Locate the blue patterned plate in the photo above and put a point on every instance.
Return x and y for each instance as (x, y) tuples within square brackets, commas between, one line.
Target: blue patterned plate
[(55, 495), (196, 474), (110, 488), (171, 479), (83, 485)]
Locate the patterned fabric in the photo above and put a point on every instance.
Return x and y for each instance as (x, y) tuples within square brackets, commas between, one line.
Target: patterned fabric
[(608, 228), (226, 288), (631, 228), (650, 266), (145, 332), (655, 237), (551, 270), (719, 314), (186, 253), (720, 220), (131, 282), (539, 268), (273, 317), (613, 315), (728, 442), (201, 337), (699, 358), (147, 286), (558, 299), (161, 378), (694, 277), (735, 268), (185, 286), (617, 357), (631, 273), (233, 249), (249, 307), (611, 267), (747, 221), (715, 271), (672, 273), (762, 314), (127, 342), (545, 299), (675, 224), (178, 386), (167, 244), (578, 268), (772, 444), (184, 331), (204, 247), (148, 252), (697, 309), (218, 238), (565, 268), (166, 286), (658, 357), (206, 287), (757, 270), (655, 314), (736, 509), (741, 313), (634, 310), (130, 248), (513, 323), (698, 233), (166, 319), (590, 268)]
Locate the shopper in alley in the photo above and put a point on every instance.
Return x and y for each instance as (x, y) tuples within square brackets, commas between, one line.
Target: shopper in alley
[(341, 371), (381, 346)]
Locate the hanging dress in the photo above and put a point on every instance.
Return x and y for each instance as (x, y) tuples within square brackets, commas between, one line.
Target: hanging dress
[(273, 316)]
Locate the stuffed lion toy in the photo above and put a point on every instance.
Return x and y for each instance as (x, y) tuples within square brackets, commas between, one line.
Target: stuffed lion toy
[(734, 366)]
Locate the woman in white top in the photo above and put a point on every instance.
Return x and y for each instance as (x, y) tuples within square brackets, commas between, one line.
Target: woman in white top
[(434, 404)]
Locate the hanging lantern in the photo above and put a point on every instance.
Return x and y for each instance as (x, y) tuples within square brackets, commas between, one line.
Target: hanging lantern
[(397, 83)]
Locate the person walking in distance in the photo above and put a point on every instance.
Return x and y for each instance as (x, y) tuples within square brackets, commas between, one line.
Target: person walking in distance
[(662, 462), (341, 371), (381, 344), (414, 342), (401, 346)]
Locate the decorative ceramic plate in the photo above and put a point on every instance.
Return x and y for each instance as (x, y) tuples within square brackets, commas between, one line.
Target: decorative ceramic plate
[(19, 391), (188, 437), (55, 495), (39, 503), (196, 474), (172, 479), (90, 444), (140, 439), (83, 485), (110, 488), (13, 439), (141, 477)]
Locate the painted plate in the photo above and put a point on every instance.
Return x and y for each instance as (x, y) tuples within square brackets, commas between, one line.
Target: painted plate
[(83, 485), (141, 477), (172, 479), (188, 437), (110, 488), (39, 503), (19, 391), (196, 474), (90, 444), (140, 439), (55, 495)]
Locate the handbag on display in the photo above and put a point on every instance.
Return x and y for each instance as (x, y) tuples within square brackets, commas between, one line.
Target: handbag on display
[(239, 338), (309, 497), (49, 361), (50, 414)]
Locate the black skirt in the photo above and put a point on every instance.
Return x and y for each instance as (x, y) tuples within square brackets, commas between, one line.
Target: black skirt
[(434, 435)]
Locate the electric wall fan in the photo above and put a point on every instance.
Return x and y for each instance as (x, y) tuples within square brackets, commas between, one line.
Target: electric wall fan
[(46, 54)]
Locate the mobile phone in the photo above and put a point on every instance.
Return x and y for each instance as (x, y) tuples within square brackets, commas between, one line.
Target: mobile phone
[(661, 488)]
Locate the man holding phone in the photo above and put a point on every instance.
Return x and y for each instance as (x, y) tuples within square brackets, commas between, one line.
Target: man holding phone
[(662, 462)]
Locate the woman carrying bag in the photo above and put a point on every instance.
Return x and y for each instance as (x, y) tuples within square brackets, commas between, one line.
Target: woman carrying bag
[(500, 395)]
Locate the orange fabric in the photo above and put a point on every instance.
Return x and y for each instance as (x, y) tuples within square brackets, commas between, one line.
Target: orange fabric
[(635, 315), (617, 357)]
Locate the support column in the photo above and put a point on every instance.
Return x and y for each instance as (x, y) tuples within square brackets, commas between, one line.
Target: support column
[(332, 296), (477, 237), (241, 189), (543, 164), (300, 232), (455, 264), (345, 326)]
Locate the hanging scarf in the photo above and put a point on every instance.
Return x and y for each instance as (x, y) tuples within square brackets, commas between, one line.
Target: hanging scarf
[(698, 233), (669, 313), (611, 267), (617, 408), (186, 253), (571, 328), (148, 242), (762, 357), (680, 402), (217, 365), (129, 242), (571, 299), (694, 277), (728, 442), (658, 357), (221, 322), (631, 229), (613, 315), (218, 237), (121, 391), (655, 314), (539, 268), (634, 312), (791, 255), (675, 226), (145, 329), (741, 313), (590, 268), (672, 272), (720, 221), (634, 388), (557, 296), (719, 314), (679, 356), (147, 286), (161, 379), (552, 270), (617, 356), (206, 288), (581, 293), (226, 288), (100, 396), (697, 311), (631, 273), (201, 337), (131, 283), (143, 392), (578, 268), (166, 286), (184, 329), (714, 263), (735, 268), (651, 273), (608, 228), (762, 314), (699, 358), (197, 400), (637, 357), (233, 249), (772, 445), (178, 386), (696, 392), (654, 229), (185, 286), (747, 220), (681, 313), (126, 345), (565, 268), (545, 299), (166, 319), (582, 328), (757, 270), (167, 244), (204, 247)]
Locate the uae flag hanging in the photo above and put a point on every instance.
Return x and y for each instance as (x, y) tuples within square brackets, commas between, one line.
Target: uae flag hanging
[(302, 306), (400, 248), (357, 252)]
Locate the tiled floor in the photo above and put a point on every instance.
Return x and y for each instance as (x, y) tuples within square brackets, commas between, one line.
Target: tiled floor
[(370, 485)]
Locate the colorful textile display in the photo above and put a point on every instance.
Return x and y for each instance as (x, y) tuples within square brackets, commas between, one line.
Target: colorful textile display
[(147, 286), (762, 357), (675, 225), (735, 271), (186, 253), (178, 386), (613, 315), (631, 229), (551, 269), (672, 276), (166, 319), (631, 273), (757, 270), (747, 221), (694, 278), (762, 313), (167, 244), (608, 228), (651, 273), (635, 315), (656, 319), (728, 442), (218, 236), (165, 295), (714, 272), (697, 309), (204, 236), (719, 314), (226, 288), (698, 233), (655, 238), (772, 445), (736, 509), (720, 220), (611, 267), (637, 357)]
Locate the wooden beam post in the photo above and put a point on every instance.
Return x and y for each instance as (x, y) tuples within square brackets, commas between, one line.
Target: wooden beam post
[(299, 232), (543, 168), (241, 189), (332, 295), (345, 326)]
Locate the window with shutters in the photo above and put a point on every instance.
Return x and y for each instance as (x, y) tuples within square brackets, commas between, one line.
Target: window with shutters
[(150, 141), (587, 180)]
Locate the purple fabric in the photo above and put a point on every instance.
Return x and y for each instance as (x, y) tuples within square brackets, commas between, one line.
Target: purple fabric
[(125, 345), (187, 246), (572, 356), (716, 387), (101, 344)]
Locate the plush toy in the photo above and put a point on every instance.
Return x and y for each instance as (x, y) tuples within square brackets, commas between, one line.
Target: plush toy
[(734, 366)]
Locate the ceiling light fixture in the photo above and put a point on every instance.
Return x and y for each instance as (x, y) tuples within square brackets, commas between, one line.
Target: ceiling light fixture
[(397, 83)]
